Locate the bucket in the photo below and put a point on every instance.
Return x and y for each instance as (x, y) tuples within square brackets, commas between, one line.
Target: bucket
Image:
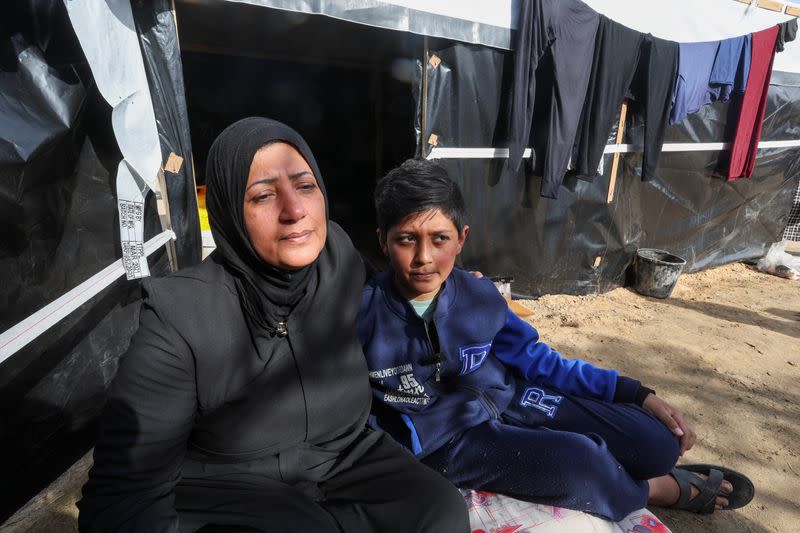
[(656, 272)]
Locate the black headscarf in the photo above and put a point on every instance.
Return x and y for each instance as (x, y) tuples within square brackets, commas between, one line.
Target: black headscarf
[(267, 293)]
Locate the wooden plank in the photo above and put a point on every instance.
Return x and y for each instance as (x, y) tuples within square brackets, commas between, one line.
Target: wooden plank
[(772, 5), (793, 11), (424, 96), (162, 206), (623, 112)]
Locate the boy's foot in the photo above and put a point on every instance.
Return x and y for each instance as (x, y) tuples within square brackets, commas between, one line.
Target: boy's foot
[(701, 489)]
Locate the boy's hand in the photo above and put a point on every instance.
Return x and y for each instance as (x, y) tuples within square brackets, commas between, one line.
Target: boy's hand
[(672, 418)]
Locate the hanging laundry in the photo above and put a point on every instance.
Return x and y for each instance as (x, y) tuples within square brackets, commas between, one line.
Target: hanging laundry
[(653, 87), (731, 68), (566, 30), (616, 54), (787, 31), (626, 61), (751, 114), (695, 61)]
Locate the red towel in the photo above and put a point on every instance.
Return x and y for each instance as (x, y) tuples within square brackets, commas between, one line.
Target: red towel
[(754, 102)]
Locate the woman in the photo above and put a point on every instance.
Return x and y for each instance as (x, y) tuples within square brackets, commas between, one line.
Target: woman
[(241, 403)]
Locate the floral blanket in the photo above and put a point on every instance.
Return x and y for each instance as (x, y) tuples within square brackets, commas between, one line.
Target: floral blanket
[(494, 513)]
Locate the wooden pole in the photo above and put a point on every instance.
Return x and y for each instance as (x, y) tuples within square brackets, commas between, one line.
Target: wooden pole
[(623, 112), (424, 90)]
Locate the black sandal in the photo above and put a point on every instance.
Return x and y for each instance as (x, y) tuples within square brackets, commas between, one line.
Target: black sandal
[(686, 476)]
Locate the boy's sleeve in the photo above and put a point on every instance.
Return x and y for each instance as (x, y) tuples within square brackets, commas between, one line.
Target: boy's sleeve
[(517, 345)]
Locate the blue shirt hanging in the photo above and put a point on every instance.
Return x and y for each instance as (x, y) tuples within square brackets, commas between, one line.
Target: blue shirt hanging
[(731, 68), (694, 69)]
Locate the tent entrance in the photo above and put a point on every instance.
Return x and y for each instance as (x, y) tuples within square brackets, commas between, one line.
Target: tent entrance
[(346, 87)]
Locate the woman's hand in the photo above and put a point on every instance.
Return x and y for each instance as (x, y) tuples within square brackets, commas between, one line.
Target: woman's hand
[(672, 418)]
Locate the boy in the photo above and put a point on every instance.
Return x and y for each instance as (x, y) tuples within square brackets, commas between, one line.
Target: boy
[(469, 389)]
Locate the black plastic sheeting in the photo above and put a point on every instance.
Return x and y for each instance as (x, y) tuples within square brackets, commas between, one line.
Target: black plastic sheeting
[(551, 246), (58, 227), (158, 39)]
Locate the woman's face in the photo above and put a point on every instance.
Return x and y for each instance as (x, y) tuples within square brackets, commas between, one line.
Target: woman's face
[(284, 210)]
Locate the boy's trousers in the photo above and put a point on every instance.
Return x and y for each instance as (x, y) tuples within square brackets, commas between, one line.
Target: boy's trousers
[(549, 447)]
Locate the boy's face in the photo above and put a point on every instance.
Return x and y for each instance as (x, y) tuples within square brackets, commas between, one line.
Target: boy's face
[(422, 249)]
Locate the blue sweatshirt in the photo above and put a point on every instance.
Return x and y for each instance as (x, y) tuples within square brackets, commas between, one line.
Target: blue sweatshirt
[(431, 382)]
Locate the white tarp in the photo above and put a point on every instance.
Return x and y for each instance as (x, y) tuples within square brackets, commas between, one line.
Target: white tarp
[(474, 21), (108, 38), (489, 22), (688, 21)]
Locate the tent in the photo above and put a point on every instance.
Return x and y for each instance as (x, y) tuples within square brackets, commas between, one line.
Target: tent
[(108, 107)]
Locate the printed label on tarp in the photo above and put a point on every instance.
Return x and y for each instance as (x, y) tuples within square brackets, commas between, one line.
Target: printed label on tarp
[(130, 214), (133, 259), (130, 204)]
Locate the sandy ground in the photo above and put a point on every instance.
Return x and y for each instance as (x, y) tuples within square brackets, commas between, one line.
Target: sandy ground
[(725, 349)]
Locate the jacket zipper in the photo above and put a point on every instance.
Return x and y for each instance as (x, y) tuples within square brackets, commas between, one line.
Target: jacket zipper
[(435, 351), (282, 331), (437, 354), (483, 397)]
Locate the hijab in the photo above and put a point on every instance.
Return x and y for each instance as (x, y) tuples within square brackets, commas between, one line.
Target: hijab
[(268, 294)]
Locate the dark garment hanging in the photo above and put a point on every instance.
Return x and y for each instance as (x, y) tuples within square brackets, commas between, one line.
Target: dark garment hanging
[(616, 55), (787, 31), (751, 114), (565, 29), (652, 88), (643, 65), (695, 62), (731, 68)]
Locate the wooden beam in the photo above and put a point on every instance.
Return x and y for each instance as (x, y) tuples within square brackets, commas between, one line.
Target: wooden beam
[(623, 113), (772, 5), (162, 206), (424, 90), (775, 5)]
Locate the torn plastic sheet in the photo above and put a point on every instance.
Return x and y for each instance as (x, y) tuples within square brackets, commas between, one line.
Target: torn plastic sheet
[(37, 105), (58, 227), (107, 34), (580, 243)]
